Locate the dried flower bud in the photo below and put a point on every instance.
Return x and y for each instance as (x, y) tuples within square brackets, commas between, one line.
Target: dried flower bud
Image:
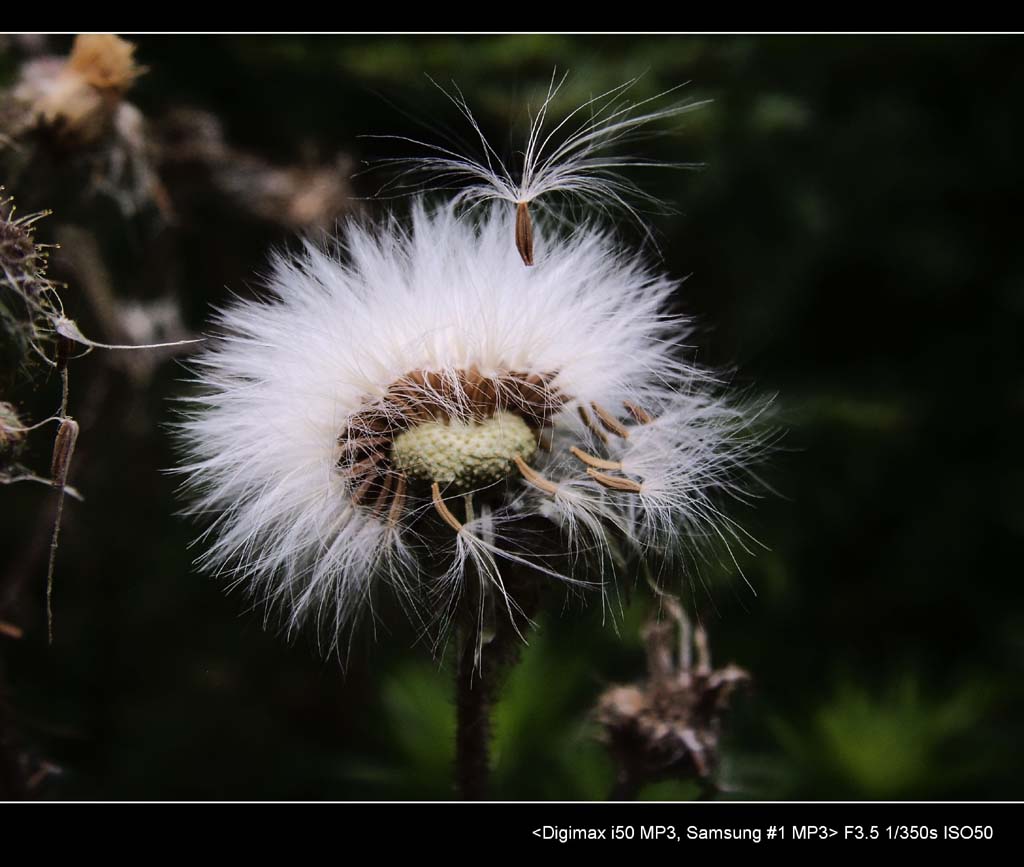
[(669, 726), (24, 319), (63, 449), (105, 61), (22, 261), (79, 101)]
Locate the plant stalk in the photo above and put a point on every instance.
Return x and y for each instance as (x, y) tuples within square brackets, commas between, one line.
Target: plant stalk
[(474, 690)]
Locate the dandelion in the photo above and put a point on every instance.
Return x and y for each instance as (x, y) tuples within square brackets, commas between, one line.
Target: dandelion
[(417, 392), (408, 407)]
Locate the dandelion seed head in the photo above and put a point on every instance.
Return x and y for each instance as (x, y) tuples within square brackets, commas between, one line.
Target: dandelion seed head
[(409, 407), (412, 392)]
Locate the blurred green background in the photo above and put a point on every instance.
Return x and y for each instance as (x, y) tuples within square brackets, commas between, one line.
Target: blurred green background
[(853, 245)]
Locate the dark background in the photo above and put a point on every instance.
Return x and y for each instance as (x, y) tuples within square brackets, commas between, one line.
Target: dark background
[(853, 245)]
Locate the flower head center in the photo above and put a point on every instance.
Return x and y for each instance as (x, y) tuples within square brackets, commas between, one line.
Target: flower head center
[(464, 454), (455, 427)]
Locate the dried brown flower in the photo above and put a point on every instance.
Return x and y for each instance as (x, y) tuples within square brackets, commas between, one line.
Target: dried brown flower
[(669, 726), (77, 99)]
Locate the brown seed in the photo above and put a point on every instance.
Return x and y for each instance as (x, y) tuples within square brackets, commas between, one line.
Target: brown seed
[(443, 510), (641, 415), (364, 466), (360, 493), (524, 233), (594, 461), (422, 396), (590, 423), (397, 502), (535, 478), (385, 492), (610, 421), (615, 483)]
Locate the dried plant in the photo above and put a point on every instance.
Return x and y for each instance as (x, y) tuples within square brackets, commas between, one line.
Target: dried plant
[(669, 726), (540, 418)]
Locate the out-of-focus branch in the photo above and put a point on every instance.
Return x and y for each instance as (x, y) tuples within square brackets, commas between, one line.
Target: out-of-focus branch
[(198, 163)]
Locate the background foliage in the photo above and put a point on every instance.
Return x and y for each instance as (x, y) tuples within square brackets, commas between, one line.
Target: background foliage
[(853, 244)]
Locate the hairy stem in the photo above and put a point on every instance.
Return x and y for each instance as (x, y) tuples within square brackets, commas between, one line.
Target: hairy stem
[(483, 664), (473, 696)]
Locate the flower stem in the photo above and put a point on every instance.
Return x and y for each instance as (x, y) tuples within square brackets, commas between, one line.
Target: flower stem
[(489, 646), (473, 691)]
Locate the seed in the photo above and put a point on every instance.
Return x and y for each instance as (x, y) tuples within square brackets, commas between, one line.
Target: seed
[(614, 482), (524, 233), (443, 510)]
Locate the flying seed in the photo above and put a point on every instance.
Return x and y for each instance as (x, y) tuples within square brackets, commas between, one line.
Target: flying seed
[(524, 233)]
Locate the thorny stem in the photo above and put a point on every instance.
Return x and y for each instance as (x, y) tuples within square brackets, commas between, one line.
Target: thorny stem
[(64, 447), (54, 542), (64, 392)]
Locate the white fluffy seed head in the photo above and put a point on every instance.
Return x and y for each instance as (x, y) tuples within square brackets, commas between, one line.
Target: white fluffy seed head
[(297, 439)]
